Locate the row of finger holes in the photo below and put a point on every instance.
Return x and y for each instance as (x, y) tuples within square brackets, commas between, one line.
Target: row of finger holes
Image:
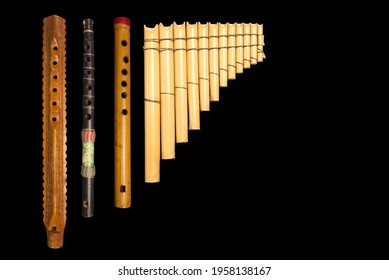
[(88, 73), (124, 73), (55, 77), (124, 95)]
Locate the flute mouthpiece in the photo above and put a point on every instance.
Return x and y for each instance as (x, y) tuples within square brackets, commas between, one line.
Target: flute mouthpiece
[(88, 24), (122, 20)]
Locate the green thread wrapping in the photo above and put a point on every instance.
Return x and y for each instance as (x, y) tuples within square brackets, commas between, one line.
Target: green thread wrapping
[(88, 149), (88, 165)]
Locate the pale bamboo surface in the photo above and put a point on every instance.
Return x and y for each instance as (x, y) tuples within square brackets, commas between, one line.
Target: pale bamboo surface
[(180, 83), (231, 55), (213, 42), (223, 63), (239, 47), (185, 66), (253, 44), (122, 113), (166, 62), (193, 75), (203, 66), (261, 43), (246, 46), (152, 102)]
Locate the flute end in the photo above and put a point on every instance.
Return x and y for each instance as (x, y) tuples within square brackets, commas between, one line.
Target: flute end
[(55, 239), (87, 211), (122, 20), (88, 24)]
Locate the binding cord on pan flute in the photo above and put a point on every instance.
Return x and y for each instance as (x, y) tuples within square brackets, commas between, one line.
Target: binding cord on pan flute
[(185, 65)]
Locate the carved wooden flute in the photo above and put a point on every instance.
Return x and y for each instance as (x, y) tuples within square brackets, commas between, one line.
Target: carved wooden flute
[(88, 134), (54, 129)]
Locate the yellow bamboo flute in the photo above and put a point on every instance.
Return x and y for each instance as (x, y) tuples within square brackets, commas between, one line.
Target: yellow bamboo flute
[(122, 113)]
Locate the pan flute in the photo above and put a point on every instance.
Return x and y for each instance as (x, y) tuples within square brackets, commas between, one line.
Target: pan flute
[(185, 65)]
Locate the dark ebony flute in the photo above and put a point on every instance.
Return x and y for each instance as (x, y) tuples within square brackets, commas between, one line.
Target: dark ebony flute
[(88, 134)]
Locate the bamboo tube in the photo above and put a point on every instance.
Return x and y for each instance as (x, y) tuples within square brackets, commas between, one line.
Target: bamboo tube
[(223, 65), (152, 110), (180, 83), (246, 46), (193, 76), (239, 47), (166, 62), (203, 67), (231, 56), (213, 61), (253, 44), (261, 43), (122, 112)]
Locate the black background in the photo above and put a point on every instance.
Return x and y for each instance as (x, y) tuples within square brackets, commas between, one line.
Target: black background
[(272, 174)]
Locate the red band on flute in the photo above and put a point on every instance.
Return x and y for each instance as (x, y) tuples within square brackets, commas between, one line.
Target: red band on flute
[(88, 135), (122, 20)]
